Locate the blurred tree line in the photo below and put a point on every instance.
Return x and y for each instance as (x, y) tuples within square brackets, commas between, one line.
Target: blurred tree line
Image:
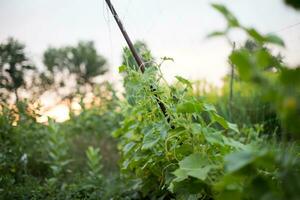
[(72, 68)]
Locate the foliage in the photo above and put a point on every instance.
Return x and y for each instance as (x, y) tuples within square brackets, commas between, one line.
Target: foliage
[(23, 156), (143, 51), (13, 66), (163, 159), (81, 60), (280, 87), (263, 172), (246, 108), (197, 154), (40, 162), (95, 167), (293, 3)]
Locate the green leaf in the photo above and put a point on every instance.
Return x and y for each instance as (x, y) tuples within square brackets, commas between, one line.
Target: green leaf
[(184, 81), (220, 120), (260, 158), (189, 107), (180, 174), (243, 62), (216, 34), (151, 138), (209, 108), (269, 38), (214, 137), (196, 128), (238, 160), (274, 39), (195, 165), (233, 127), (233, 143), (255, 35), (263, 59), (200, 173), (290, 77), (231, 19), (122, 68)]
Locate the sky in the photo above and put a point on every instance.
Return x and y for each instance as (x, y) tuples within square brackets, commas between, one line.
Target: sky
[(172, 28)]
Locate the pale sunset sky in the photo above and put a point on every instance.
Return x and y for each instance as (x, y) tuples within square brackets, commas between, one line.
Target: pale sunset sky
[(172, 28)]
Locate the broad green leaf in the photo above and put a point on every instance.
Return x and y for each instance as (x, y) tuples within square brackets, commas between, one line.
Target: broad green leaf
[(263, 59), (243, 62), (193, 161), (269, 38), (180, 174), (184, 81), (189, 107), (231, 19), (122, 68), (195, 166), (128, 147), (209, 108), (200, 173), (151, 138), (260, 158), (255, 35), (233, 127), (229, 187), (290, 77), (210, 135), (274, 39), (238, 160), (196, 128), (233, 143), (220, 120), (214, 137)]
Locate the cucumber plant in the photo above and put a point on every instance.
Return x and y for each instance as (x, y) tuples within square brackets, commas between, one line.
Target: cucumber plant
[(182, 156), (197, 154)]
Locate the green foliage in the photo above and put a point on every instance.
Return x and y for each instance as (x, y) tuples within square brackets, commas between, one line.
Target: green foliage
[(230, 18), (143, 51), (13, 66), (248, 107), (95, 167), (23, 159), (82, 60), (58, 154), (197, 154), (280, 87), (162, 159), (265, 173), (261, 172), (293, 3), (42, 161)]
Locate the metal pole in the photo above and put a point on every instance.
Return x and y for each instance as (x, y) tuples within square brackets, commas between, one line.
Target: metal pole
[(130, 45), (232, 76), (137, 57), (231, 85)]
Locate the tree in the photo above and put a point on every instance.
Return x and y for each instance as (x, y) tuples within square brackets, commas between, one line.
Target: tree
[(293, 3), (82, 60), (72, 68), (142, 50), (13, 66)]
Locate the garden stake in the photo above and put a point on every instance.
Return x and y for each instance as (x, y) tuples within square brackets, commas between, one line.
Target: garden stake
[(136, 56)]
